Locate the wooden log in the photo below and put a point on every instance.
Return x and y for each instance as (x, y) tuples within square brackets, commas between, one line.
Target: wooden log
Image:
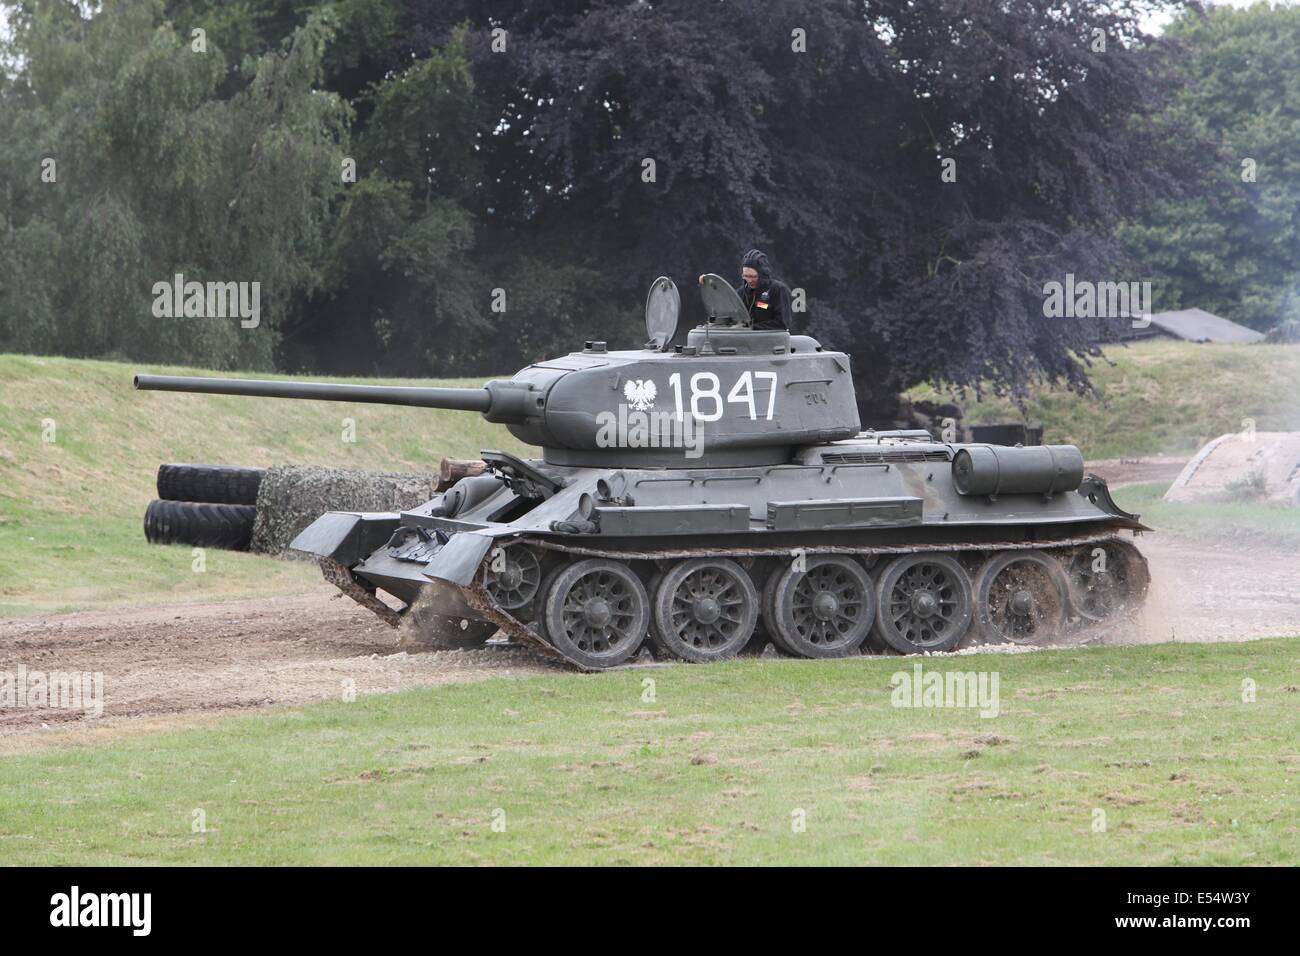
[(453, 470)]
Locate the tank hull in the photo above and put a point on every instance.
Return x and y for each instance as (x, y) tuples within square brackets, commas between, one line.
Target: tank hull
[(863, 512)]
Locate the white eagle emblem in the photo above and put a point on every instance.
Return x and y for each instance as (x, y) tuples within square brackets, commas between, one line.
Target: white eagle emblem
[(640, 394)]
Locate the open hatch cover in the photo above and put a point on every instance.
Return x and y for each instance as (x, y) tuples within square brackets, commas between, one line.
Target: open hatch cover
[(722, 303)]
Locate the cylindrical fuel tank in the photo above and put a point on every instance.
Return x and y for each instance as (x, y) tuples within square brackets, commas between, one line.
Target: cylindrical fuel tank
[(999, 470)]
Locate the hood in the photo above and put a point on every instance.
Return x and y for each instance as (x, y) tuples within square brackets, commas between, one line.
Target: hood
[(757, 260)]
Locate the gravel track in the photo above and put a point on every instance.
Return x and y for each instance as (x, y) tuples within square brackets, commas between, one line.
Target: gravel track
[(165, 661)]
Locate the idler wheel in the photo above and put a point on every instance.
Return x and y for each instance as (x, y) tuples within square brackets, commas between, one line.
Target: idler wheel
[(705, 609), (595, 612), (825, 610), (512, 576), (1107, 578), (923, 603), (1022, 598)]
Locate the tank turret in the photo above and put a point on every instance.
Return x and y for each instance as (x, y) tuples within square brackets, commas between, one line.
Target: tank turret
[(724, 393)]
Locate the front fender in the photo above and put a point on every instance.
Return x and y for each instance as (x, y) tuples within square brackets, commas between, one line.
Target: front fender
[(458, 560), (345, 536)]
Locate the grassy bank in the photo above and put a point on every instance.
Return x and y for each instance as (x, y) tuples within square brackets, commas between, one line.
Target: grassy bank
[(1249, 522), (719, 765), (1157, 397), (71, 508)]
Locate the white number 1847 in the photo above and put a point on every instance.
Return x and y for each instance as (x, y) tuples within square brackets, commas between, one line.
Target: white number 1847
[(706, 394)]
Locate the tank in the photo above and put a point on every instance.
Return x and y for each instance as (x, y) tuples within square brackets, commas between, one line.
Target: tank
[(714, 490)]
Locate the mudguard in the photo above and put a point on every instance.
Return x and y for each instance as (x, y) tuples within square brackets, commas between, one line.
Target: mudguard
[(345, 536), (459, 559)]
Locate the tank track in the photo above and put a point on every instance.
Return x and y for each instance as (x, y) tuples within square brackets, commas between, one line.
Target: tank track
[(342, 578), (477, 597), (352, 586), (533, 636), (533, 633)]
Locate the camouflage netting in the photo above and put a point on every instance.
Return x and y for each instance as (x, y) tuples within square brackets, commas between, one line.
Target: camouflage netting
[(293, 496)]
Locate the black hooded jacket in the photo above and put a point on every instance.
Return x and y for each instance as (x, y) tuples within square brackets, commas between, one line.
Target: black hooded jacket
[(768, 302)]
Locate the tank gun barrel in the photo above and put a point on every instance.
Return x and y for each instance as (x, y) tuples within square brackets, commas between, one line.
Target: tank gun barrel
[(460, 399)]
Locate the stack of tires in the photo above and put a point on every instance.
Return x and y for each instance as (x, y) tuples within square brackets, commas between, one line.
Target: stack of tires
[(207, 506)]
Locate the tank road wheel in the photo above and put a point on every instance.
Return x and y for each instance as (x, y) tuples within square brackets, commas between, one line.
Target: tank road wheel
[(595, 612), (1107, 583), (512, 578), (1022, 597), (923, 603), (826, 610), (705, 609)]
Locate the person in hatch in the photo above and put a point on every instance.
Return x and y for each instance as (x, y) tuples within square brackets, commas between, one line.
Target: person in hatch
[(766, 297)]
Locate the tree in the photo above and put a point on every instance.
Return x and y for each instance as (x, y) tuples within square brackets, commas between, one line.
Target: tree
[(832, 159), (1235, 248), (920, 171), (362, 50), (126, 168), (421, 264)]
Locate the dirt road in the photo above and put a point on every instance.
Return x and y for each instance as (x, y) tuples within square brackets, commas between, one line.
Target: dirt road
[(159, 661), (197, 658), (1119, 472)]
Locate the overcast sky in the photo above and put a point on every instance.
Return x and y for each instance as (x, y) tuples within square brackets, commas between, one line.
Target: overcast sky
[(1157, 24)]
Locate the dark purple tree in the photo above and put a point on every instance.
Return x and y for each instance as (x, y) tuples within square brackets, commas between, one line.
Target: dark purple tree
[(819, 131)]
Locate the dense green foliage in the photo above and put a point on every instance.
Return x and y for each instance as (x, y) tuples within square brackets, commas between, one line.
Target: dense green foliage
[(126, 165), (833, 159), (1235, 248), (394, 173)]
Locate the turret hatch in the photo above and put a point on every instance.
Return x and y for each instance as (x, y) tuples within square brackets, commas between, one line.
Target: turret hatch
[(721, 302), (663, 311)]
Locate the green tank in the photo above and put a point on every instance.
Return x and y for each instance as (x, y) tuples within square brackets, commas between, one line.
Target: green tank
[(714, 489)]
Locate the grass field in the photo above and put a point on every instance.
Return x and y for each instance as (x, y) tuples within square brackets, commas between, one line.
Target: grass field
[(720, 765), (1158, 397), (1248, 522), (72, 509)]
